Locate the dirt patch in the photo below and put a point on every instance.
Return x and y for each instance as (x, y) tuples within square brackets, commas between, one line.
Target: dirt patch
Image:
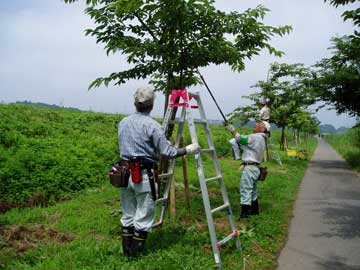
[(23, 238), (5, 206)]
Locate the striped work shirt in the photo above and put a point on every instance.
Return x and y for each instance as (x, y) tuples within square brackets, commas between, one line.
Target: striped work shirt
[(141, 136)]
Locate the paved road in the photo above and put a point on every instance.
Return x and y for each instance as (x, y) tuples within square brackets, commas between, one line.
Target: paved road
[(325, 231)]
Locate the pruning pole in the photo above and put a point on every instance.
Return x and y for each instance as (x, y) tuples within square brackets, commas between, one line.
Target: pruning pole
[(217, 105)]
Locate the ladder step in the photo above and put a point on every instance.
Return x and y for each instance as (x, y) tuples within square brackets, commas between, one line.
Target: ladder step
[(219, 177), (164, 175), (207, 150), (226, 205), (175, 122), (227, 238), (198, 121), (164, 199)]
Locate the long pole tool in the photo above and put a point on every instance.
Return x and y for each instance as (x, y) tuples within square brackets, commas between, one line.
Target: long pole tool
[(217, 105)]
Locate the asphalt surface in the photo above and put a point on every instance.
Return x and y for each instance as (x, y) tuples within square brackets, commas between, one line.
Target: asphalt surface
[(325, 230)]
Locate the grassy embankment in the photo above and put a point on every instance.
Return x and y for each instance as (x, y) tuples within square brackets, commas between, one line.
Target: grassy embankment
[(49, 155), (347, 144)]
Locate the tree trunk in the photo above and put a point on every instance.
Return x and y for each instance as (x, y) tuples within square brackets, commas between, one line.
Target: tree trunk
[(298, 136), (282, 141)]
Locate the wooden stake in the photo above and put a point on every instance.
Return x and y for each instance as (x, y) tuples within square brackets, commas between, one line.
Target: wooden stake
[(172, 198)]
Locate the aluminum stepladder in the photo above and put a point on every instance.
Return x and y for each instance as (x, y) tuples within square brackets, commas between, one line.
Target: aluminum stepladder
[(186, 116), (274, 154)]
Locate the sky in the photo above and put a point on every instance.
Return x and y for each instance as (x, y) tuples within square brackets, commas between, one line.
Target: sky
[(45, 56)]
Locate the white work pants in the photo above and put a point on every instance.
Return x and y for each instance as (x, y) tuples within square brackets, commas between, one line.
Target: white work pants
[(248, 184), (138, 206)]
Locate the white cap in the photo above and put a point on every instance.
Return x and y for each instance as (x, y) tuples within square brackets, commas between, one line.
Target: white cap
[(144, 95)]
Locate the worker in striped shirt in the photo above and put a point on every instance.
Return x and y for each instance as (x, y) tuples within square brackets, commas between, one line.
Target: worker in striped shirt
[(141, 142)]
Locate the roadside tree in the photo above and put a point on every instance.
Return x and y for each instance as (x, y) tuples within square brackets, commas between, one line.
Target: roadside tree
[(288, 92), (167, 40)]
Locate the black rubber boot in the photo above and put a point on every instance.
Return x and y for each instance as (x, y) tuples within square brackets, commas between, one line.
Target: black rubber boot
[(138, 243), (127, 240), (245, 211), (255, 207)]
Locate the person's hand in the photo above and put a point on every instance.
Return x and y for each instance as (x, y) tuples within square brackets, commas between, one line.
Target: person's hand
[(230, 128), (193, 148)]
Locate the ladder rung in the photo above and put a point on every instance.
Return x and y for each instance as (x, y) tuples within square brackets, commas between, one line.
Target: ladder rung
[(213, 178), (175, 121), (207, 150), (227, 238), (164, 175), (198, 121), (220, 208), (161, 200), (194, 94)]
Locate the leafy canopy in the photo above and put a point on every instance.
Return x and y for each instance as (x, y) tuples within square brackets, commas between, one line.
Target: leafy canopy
[(167, 40), (353, 15), (337, 79), (287, 91)]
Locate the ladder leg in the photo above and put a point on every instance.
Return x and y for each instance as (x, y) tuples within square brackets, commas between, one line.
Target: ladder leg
[(171, 169), (186, 115), (218, 173)]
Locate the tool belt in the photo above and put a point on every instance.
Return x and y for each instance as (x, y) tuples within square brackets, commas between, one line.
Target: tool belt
[(263, 170), (137, 165), (250, 163), (119, 174)]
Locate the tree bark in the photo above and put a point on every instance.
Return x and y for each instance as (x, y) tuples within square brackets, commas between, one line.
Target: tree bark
[(282, 141)]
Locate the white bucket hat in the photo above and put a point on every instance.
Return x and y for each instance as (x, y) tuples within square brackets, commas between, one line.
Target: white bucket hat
[(144, 95)]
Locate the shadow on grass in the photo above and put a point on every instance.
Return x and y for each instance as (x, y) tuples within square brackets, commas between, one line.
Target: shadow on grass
[(165, 238)]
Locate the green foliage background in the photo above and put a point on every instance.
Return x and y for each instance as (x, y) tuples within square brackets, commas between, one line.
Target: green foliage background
[(68, 151), (49, 153), (347, 144)]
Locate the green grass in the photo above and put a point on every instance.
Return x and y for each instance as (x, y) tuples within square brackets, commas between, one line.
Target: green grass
[(84, 232), (92, 219), (347, 144), (46, 154)]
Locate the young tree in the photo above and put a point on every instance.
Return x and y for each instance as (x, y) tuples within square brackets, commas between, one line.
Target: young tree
[(286, 89), (167, 40), (303, 121)]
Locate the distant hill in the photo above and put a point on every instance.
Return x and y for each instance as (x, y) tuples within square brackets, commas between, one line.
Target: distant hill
[(342, 129), (326, 128), (26, 102), (330, 129)]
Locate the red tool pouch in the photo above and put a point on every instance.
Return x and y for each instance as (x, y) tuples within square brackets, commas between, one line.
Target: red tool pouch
[(135, 170)]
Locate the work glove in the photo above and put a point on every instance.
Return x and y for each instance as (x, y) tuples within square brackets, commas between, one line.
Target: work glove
[(193, 148), (230, 128)]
